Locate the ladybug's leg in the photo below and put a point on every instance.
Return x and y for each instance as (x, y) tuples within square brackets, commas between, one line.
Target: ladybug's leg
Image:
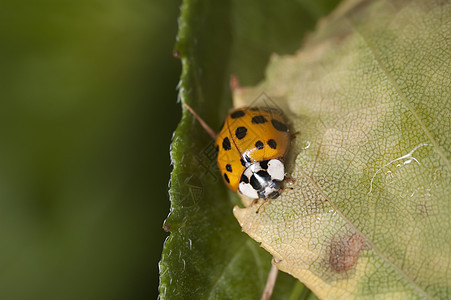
[(288, 188), (268, 200), (289, 179), (293, 135), (258, 209)]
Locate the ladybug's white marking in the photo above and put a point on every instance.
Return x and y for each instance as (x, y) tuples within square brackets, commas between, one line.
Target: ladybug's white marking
[(276, 169), (262, 182), (247, 190)]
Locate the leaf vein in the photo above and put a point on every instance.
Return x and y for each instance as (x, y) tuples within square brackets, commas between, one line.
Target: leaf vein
[(404, 99), (372, 245)]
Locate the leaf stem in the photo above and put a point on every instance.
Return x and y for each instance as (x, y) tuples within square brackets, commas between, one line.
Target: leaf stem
[(270, 282)]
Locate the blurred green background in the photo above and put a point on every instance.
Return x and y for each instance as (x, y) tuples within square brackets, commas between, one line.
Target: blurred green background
[(88, 107)]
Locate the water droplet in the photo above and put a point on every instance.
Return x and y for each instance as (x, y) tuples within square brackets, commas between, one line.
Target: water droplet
[(306, 145), (406, 159)]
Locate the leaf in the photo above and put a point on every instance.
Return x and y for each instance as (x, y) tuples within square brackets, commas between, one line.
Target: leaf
[(368, 215), (206, 254)]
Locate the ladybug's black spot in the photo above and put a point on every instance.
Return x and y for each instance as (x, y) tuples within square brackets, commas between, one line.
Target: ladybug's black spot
[(226, 144), (229, 168), (243, 162), (275, 184), (274, 195), (259, 145), (226, 178), (217, 148), (259, 120), (264, 164), (244, 179), (237, 114), (264, 175), (272, 143), (279, 125), (240, 132), (255, 183)]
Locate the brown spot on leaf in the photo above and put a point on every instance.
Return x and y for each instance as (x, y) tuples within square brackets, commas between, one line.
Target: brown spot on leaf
[(345, 252)]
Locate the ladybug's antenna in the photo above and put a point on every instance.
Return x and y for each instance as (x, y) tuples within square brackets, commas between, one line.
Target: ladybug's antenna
[(202, 122)]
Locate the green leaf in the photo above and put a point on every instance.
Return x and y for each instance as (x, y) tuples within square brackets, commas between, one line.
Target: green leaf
[(206, 254), (368, 213)]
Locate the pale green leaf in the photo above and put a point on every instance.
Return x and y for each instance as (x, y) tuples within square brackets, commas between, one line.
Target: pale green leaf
[(369, 212)]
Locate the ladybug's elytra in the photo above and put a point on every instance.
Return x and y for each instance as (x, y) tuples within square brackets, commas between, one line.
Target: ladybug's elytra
[(251, 147)]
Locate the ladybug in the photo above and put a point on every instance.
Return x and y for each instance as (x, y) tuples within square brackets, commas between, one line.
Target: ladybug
[(251, 147)]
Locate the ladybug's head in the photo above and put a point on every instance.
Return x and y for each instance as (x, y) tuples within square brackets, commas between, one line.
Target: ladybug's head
[(262, 179)]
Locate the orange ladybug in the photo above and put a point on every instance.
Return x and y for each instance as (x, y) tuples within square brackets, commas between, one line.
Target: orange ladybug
[(251, 147)]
